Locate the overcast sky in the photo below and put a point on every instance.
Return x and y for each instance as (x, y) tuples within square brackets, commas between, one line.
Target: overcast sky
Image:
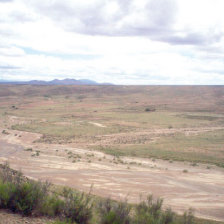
[(117, 41)]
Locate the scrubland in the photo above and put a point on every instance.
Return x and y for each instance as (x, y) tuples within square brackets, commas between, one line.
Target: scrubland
[(162, 140)]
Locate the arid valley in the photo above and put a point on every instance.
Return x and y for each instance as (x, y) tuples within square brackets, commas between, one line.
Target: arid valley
[(123, 142)]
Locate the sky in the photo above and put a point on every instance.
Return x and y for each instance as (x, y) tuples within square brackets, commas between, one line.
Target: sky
[(130, 42)]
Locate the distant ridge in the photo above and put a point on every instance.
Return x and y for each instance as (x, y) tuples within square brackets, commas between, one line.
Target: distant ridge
[(55, 82)]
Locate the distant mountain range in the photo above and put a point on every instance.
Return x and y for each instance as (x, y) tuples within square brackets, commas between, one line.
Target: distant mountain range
[(55, 82)]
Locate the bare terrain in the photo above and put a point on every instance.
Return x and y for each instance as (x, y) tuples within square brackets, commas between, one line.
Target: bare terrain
[(125, 141)]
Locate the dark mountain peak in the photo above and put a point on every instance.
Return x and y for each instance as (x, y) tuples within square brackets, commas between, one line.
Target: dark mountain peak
[(66, 81)]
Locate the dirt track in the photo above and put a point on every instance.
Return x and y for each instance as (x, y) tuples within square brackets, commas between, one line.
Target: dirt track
[(199, 188)]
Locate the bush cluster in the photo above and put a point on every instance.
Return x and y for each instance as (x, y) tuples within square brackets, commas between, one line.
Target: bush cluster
[(111, 212), (20, 195), (28, 197), (150, 211)]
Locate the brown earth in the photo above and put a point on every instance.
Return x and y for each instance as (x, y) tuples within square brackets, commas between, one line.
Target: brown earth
[(179, 98), (9, 218)]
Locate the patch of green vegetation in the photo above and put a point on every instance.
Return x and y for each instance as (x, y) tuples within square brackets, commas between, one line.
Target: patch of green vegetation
[(5, 132), (28, 149), (29, 197), (209, 117), (70, 130), (201, 148), (37, 153)]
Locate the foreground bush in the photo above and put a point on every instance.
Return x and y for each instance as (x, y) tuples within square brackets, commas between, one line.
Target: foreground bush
[(114, 212), (19, 195), (29, 197), (52, 206), (188, 217), (7, 190), (150, 212), (77, 207)]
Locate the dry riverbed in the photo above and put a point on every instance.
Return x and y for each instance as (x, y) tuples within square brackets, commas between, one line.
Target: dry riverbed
[(181, 185)]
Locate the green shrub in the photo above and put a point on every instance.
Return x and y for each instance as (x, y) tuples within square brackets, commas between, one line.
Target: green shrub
[(114, 212), (19, 198), (167, 217), (148, 109), (53, 206), (77, 207), (188, 217), (5, 132), (62, 222), (29, 197), (7, 190), (150, 212), (19, 194)]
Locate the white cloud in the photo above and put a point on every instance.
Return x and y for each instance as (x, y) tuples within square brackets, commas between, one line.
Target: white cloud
[(125, 42)]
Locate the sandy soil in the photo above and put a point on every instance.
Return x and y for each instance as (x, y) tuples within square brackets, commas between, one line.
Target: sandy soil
[(199, 188)]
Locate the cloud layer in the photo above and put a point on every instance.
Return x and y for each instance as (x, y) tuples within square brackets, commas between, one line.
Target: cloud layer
[(125, 42)]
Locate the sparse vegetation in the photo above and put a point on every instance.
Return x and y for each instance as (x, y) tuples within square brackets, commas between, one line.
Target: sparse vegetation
[(187, 125), (5, 132), (148, 109), (128, 117), (77, 207), (28, 197), (176, 148)]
